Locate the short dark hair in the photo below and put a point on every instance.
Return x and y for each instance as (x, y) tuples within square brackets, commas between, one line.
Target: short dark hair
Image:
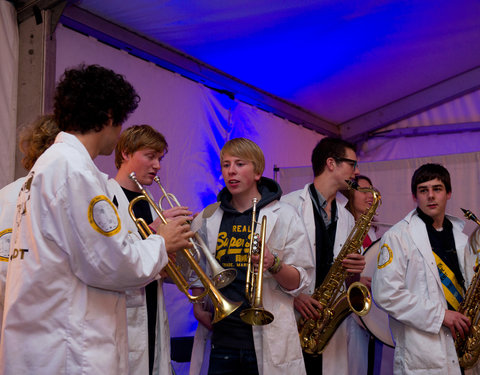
[(328, 147), (88, 96), (428, 172)]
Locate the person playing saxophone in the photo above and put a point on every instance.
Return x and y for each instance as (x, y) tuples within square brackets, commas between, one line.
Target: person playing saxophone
[(421, 276), (328, 225)]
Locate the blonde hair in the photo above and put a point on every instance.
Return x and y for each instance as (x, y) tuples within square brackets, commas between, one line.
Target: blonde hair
[(138, 137), (245, 149), (35, 138)]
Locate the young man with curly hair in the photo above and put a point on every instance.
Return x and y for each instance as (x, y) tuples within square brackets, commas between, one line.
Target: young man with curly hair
[(72, 258)]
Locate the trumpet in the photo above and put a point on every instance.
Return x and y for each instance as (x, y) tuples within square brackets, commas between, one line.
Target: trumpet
[(221, 277), (256, 315), (222, 306)]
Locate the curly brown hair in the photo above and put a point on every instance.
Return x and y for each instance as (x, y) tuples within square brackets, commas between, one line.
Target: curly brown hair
[(88, 96), (36, 137)]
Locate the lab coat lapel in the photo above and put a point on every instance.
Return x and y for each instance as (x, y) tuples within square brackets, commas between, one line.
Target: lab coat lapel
[(419, 234)]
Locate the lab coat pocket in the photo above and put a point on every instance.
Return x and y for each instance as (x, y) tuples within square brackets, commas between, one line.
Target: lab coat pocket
[(135, 297), (423, 350), (281, 336)]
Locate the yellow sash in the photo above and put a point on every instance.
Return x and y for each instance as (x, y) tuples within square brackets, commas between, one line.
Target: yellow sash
[(452, 289)]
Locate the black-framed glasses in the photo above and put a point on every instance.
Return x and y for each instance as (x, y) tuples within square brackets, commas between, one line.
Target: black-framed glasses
[(352, 162)]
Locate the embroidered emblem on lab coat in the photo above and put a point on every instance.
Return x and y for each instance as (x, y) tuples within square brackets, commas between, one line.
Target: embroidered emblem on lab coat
[(103, 216), (385, 256), (5, 237)]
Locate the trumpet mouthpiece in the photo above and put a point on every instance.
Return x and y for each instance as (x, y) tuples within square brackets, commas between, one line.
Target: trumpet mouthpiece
[(133, 177)]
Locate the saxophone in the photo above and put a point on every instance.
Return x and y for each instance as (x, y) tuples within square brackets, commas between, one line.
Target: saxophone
[(468, 348), (336, 302)]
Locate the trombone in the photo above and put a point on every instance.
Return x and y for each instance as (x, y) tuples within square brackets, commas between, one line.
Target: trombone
[(221, 276), (222, 306), (256, 315)]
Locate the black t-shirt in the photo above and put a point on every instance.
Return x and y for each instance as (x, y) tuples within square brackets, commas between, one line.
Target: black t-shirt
[(443, 244), (233, 245)]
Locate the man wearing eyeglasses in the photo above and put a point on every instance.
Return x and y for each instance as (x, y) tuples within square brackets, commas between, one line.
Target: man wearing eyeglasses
[(328, 223)]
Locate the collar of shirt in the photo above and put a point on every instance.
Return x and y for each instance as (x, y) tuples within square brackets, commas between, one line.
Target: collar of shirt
[(429, 221), (323, 203)]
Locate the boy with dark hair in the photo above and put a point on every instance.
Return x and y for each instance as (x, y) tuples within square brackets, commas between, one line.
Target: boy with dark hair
[(141, 149), (71, 258), (421, 277), (429, 172), (328, 225), (237, 347)]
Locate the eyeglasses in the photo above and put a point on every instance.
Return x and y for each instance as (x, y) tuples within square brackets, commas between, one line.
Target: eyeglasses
[(353, 163)]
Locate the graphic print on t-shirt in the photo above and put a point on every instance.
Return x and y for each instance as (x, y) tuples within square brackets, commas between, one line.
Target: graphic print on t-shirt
[(232, 248)]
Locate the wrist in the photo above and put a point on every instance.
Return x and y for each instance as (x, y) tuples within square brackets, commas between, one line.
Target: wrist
[(276, 266)]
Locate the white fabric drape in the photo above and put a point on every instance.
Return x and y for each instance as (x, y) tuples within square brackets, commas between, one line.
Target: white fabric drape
[(8, 90)]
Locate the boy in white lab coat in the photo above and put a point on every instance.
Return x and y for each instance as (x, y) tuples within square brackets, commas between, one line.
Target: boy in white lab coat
[(71, 259), (141, 149), (237, 347), (328, 224), (421, 277)]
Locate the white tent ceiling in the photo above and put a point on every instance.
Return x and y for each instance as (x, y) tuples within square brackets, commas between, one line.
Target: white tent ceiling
[(341, 67)]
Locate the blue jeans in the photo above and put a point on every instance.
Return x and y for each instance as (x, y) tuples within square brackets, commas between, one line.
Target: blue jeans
[(229, 361)]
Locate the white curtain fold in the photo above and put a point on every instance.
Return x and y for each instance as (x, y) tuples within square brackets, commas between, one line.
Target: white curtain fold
[(8, 90)]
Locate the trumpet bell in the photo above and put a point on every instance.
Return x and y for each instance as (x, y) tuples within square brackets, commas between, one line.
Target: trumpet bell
[(256, 316), (223, 308), (225, 277)]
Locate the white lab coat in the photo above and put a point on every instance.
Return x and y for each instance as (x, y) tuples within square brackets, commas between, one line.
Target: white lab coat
[(359, 337), (276, 345), (137, 318), (71, 261), (335, 356), (8, 205), (409, 289)]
